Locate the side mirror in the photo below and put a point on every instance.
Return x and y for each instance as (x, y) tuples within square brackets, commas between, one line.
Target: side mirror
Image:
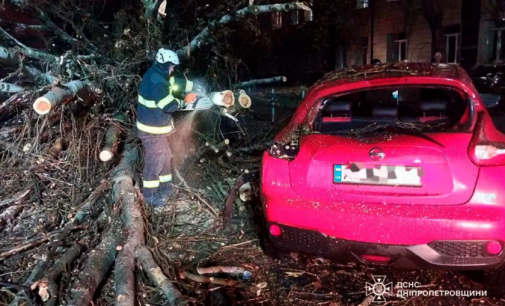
[(490, 100)]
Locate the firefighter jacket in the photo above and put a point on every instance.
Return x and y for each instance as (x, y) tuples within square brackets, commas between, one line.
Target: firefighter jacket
[(156, 101)]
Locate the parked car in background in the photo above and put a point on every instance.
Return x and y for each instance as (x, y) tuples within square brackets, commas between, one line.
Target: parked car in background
[(396, 164)]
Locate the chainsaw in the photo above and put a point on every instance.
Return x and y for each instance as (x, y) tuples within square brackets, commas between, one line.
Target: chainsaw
[(202, 101)]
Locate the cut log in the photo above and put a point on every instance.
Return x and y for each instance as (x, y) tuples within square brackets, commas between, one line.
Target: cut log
[(112, 139), (262, 81), (58, 95), (222, 98), (243, 101), (10, 88)]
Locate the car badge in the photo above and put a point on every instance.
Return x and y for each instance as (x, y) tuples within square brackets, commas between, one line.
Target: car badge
[(377, 154)]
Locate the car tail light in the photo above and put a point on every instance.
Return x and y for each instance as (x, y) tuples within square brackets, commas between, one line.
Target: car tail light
[(275, 230), (376, 258), (493, 248), (482, 151), (284, 151)]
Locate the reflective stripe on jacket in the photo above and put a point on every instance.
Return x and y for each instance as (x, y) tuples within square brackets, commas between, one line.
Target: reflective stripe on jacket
[(156, 102)]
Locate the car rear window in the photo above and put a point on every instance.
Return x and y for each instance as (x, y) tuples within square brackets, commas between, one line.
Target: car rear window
[(422, 109)]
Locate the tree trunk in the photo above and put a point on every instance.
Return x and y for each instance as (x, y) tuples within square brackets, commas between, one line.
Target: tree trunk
[(433, 13), (438, 41)]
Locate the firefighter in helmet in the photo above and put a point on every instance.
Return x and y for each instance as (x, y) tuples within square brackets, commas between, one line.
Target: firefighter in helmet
[(156, 104)]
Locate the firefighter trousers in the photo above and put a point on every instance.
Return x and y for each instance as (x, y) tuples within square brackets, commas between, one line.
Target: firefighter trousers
[(157, 175)]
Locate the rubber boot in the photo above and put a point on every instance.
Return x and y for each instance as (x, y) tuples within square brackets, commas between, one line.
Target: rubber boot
[(153, 197), (166, 190)]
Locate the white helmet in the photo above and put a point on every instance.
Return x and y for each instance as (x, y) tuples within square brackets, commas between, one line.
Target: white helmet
[(167, 56)]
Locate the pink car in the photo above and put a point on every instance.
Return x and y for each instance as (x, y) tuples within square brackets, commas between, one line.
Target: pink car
[(397, 164)]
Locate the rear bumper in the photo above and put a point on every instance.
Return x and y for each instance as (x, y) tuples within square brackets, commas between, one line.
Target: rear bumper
[(389, 224), (446, 256)]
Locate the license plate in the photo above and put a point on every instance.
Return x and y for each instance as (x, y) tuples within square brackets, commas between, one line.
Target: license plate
[(358, 173)]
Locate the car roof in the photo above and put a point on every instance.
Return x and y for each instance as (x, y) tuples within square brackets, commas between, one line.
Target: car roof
[(394, 70)]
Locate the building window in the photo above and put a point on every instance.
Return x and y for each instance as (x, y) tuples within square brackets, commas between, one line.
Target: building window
[(452, 47), (400, 52), (361, 4), (276, 20), (294, 17)]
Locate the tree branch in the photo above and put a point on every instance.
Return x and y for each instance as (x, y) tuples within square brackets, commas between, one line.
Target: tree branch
[(10, 88), (29, 51), (7, 58), (249, 10)]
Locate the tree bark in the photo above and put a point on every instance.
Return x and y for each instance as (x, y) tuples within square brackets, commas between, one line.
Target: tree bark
[(58, 95), (124, 191), (95, 267), (48, 285), (154, 272)]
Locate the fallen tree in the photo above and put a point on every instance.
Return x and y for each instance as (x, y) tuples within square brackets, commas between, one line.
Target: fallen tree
[(84, 237)]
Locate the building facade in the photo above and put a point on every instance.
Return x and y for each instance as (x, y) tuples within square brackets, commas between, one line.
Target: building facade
[(401, 32)]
